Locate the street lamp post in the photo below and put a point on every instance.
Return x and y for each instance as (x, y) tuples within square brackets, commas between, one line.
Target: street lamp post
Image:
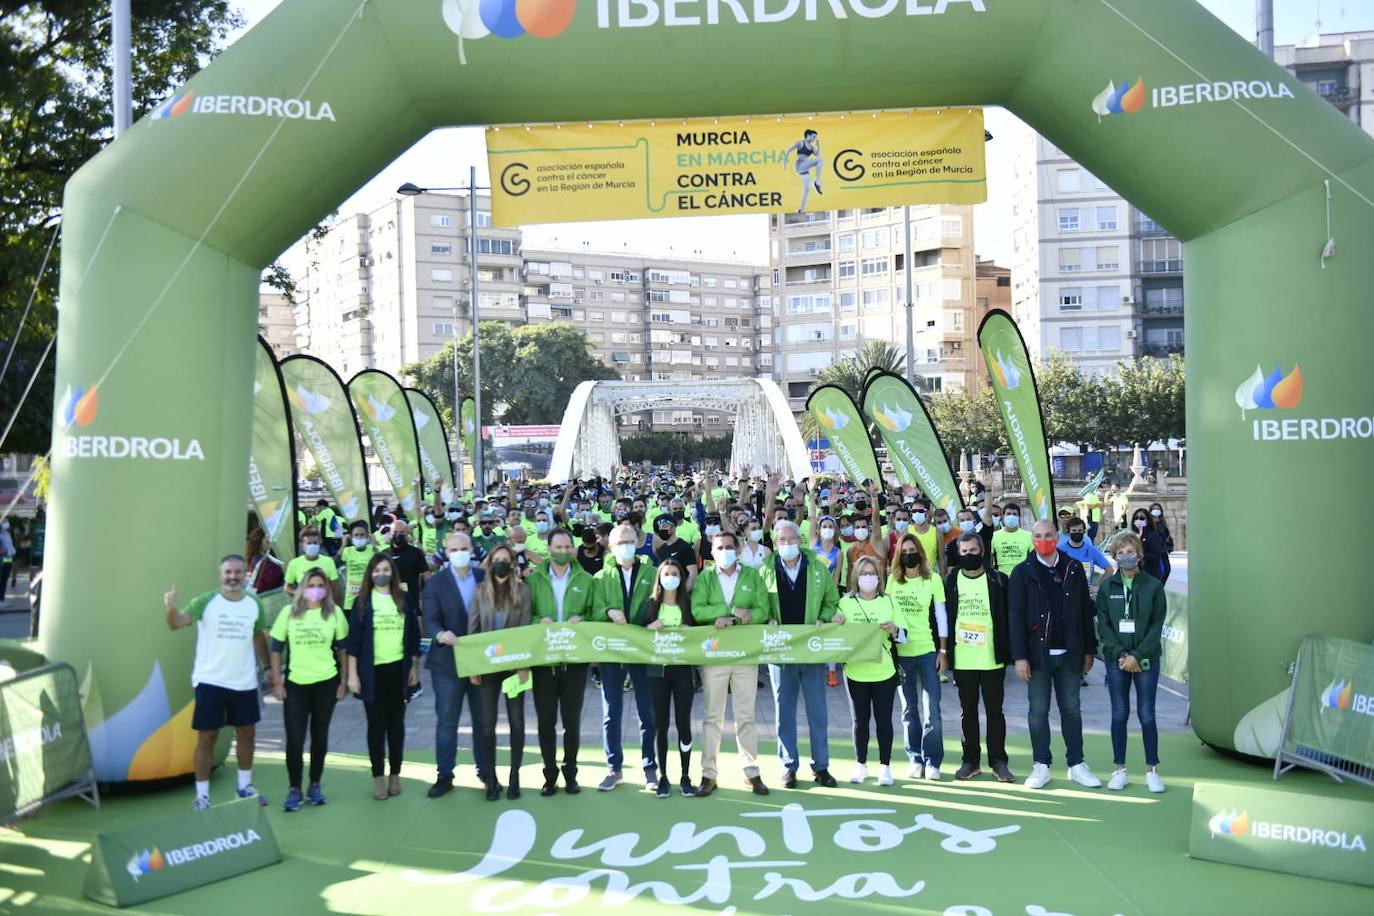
[(410, 190)]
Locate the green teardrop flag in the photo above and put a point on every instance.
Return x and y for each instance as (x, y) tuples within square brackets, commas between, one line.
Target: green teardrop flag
[(1018, 400), (433, 439), (385, 416), (912, 443), (272, 458), (323, 418), (842, 424), (468, 419)]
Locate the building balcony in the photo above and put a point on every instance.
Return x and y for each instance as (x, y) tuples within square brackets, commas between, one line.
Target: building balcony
[(1148, 228), (1161, 350), (1163, 311), (1168, 266), (813, 255), (1336, 95)]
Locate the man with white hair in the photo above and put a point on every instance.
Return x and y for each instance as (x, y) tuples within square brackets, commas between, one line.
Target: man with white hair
[(620, 594)]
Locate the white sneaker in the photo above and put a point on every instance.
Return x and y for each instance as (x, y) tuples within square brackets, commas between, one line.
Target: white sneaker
[(860, 773), (1039, 777), (1080, 774), (1118, 780), (885, 776), (1153, 781), (916, 772), (932, 773)]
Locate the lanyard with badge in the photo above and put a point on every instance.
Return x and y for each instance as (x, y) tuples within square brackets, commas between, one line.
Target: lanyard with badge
[(1126, 625)]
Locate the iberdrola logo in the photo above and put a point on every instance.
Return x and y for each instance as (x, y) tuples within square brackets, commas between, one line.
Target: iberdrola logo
[(1267, 392), (710, 644), (349, 504), (469, 426), (178, 105), (308, 401), (494, 650), (1042, 504), (1008, 376), (379, 411), (79, 405), (145, 863), (1128, 98), (420, 417), (1232, 824), (894, 419), (276, 515), (832, 419), (1338, 695), (474, 19)]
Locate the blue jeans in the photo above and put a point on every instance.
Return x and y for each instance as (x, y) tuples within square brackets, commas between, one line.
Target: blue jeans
[(925, 738), (449, 693), (613, 703), (1119, 688), (1065, 672), (809, 681)]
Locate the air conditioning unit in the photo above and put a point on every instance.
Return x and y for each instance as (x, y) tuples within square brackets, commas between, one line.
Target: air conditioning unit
[(1127, 300), (1131, 334)]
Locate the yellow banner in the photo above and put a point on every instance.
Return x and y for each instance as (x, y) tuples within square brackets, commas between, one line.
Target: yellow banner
[(715, 166)]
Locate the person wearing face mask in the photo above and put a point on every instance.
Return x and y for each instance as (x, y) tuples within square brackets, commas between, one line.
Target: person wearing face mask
[(729, 594), (411, 565), (502, 602), (872, 684), (488, 537), (901, 524), (671, 685), (713, 528), (1050, 615), (966, 522), (1012, 543), (1131, 608), (752, 553), (1161, 528), (1075, 542), (311, 631), (591, 552), (356, 556), (383, 658), (923, 526), (560, 593), (868, 540), (944, 525), (621, 592), (919, 594), (686, 528), (526, 560), (976, 599), (827, 545), (230, 644), (312, 556), (1156, 554), (446, 602), (668, 546), (538, 543)]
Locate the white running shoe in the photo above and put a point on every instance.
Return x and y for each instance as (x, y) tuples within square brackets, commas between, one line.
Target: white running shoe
[(1080, 774), (932, 773), (1119, 780), (860, 773), (885, 776), (916, 772), (1153, 781), (1039, 777)]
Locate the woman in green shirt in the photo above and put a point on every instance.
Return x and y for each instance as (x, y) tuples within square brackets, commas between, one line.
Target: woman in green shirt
[(919, 594), (872, 685), (310, 631), (383, 660), (501, 602), (669, 608)]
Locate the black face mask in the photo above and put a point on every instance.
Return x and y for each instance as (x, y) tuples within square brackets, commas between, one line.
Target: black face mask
[(677, 515), (500, 569), (861, 506), (1075, 538), (399, 540), (970, 561), (910, 560), (577, 530)]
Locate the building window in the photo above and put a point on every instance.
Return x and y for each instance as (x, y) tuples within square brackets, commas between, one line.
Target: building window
[(845, 241), (1160, 256), (874, 266), (848, 301), (1106, 219), (441, 221), (441, 275), (1108, 257), (846, 270), (596, 316), (1071, 298), (955, 319), (441, 248), (443, 329), (804, 305), (872, 298), (495, 246), (1066, 180), (1108, 297), (1108, 337), (1070, 260), (952, 227), (871, 238), (1071, 339), (1068, 220)]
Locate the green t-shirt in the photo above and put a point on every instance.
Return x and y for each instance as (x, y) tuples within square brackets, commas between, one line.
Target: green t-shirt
[(931, 544), (310, 639), (299, 566), (388, 630), (429, 536), (1010, 548), (688, 531), (1126, 584), (878, 610), (670, 615), (973, 627), (914, 598), (355, 564)]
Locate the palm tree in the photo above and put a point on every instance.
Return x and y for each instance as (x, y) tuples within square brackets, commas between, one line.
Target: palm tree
[(850, 374)]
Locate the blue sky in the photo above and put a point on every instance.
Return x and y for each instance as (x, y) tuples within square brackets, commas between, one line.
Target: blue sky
[(442, 158)]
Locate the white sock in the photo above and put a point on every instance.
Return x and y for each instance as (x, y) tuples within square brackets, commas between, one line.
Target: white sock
[(202, 789), (245, 778)]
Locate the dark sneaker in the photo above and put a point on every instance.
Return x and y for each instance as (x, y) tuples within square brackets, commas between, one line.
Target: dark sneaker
[(550, 788), (789, 779), (314, 795), (756, 786), (664, 790), (967, 771), (688, 790), (442, 786), (571, 785), (823, 778), (294, 800), (650, 779), (1003, 773)]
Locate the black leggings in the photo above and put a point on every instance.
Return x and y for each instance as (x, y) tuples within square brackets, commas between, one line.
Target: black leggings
[(515, 718), (675, 686), (386, 716), (872, 699), (308, 706)]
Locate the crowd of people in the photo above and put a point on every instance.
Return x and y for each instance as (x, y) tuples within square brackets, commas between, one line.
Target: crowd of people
[(961, 599)]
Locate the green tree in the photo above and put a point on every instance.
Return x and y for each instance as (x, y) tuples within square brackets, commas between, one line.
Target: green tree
[(1074, 402), (968, 422), (55, 105), (851, 373), (1145, 401)]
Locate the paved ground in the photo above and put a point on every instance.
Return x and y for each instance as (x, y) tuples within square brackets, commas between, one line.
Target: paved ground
[(349, 729)]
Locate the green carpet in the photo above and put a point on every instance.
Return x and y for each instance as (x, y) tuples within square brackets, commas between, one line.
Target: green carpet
[(1004, 849)]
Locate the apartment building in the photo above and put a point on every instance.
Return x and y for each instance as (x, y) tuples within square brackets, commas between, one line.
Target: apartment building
[(277, 322)]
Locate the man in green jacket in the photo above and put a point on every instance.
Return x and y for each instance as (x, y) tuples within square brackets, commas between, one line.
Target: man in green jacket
[(621, 592), (801, 590), (560, 593), (729, 594)]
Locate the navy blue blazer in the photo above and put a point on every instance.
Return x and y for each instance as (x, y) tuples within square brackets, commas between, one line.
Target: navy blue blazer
[(360, 643), (443, 608)]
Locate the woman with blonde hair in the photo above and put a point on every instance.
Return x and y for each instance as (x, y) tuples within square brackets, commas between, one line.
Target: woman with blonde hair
[(501, 602), (873, 684), (919, 594), (310, 631)]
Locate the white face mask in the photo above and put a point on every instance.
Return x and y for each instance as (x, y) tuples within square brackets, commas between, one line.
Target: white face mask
[(827, 534), (459, 559), (868, 583), (670, 582), (625, 552), (861, 533), (726, 559), (756, 535)]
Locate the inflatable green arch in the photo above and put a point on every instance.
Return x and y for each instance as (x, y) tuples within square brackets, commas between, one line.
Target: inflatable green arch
[(167, 230)]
